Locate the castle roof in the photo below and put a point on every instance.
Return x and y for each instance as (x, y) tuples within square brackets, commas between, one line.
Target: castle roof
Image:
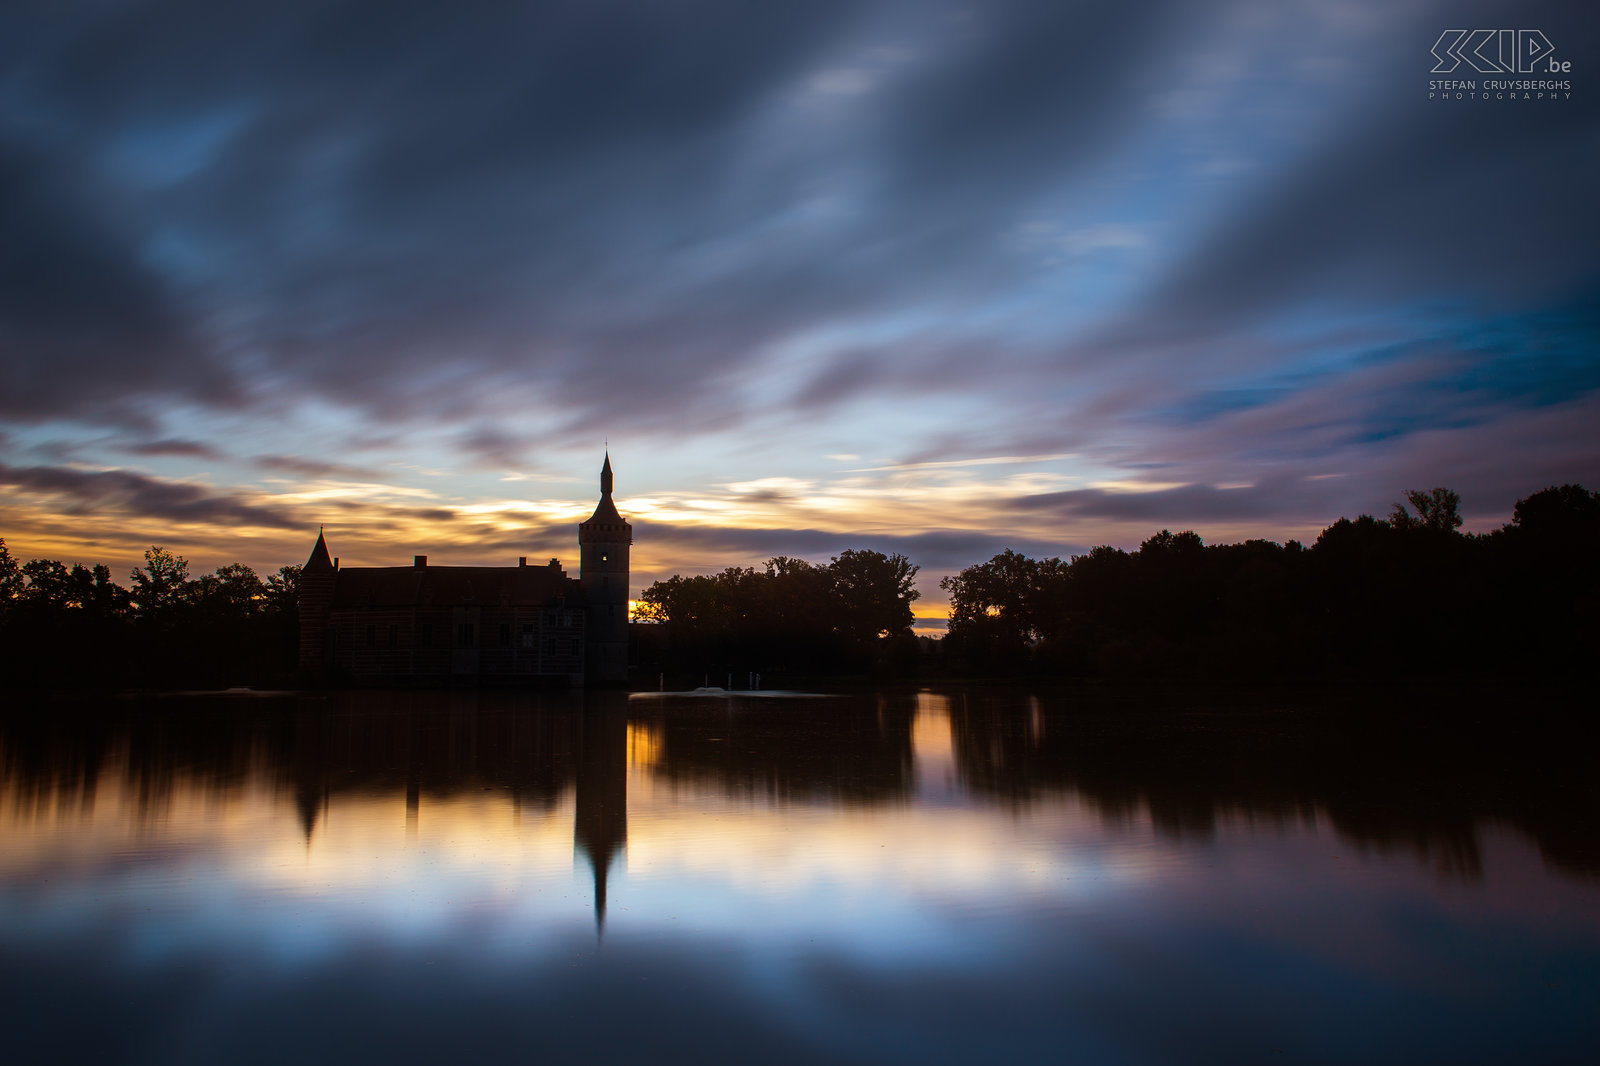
[(443, 586), (605, 511)]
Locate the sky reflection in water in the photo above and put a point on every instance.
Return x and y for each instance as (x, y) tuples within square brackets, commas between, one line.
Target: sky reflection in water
[(910, 878)]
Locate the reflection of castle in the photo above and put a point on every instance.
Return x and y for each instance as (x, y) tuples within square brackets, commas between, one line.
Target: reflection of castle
[(584, 747), (466, 622)]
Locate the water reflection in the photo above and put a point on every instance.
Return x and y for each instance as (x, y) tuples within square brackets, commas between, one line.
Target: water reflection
[(1424, 784), (841, 752), (1389, 788), (927, 876)]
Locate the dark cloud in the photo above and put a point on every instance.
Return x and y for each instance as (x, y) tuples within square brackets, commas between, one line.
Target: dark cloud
[(1189, 504), (495, 448), (86, 327), (1488, 202), (314, 468), (188, 449), (125, 492), (505, 202), (1023, 90)]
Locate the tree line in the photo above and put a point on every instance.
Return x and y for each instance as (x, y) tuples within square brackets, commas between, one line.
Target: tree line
[(849, 615), (62, 625), (1407, 595)]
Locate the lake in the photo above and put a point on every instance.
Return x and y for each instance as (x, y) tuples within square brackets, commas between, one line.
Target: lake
[(961, 875)]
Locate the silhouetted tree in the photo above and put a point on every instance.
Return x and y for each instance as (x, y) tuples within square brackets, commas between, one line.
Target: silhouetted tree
[(160, 585), (1568, 510), (791, 615), (49, 586), (11, 586), (1411, 596), (1437, 510), (233, 592), (875, 593), (10, 576), (281, 594), (73, 625), (1000, 608)]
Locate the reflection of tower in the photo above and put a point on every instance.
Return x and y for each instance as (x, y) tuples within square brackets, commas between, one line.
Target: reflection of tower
[(600, 829), (603, 543), (309, 769), (310, 800)]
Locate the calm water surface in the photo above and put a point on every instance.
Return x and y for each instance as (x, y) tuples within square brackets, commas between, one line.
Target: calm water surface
[(928, 877)]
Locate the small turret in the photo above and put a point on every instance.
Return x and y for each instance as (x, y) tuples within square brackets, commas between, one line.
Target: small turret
[(317, 579)]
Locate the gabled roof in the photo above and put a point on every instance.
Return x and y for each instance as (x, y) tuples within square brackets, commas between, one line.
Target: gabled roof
[(453, 586)]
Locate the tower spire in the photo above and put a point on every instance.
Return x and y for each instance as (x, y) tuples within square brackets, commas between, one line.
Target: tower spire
[(320, 559), (605, 475)]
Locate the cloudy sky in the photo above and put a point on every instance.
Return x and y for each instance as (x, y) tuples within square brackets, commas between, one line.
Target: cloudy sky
[(938, 278)]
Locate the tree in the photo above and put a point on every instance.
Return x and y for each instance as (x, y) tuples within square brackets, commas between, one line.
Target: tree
[(1000, 608), (234, 591), (50, 585), (46, 587), (1564, 510), (282, 590), (798, 606), (1437, 511), (1167, 542), (875, 593), (681, 601), (10, 578), (160, 585), (107, 598)]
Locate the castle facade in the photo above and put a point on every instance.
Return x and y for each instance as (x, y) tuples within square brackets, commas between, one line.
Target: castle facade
[(461, 624)]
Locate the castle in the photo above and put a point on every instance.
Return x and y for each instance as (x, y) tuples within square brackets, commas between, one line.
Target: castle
[(524, 624)]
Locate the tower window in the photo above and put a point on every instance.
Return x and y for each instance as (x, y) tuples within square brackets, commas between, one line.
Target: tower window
[(604, 557)]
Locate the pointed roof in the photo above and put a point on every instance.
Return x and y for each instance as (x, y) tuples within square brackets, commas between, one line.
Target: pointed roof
[(605, 511), (320, 559)]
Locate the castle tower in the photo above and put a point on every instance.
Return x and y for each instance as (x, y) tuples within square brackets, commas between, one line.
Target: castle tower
[(603, 543), (317, 578)]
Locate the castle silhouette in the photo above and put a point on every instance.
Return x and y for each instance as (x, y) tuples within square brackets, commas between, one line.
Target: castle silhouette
[(462, 623)]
